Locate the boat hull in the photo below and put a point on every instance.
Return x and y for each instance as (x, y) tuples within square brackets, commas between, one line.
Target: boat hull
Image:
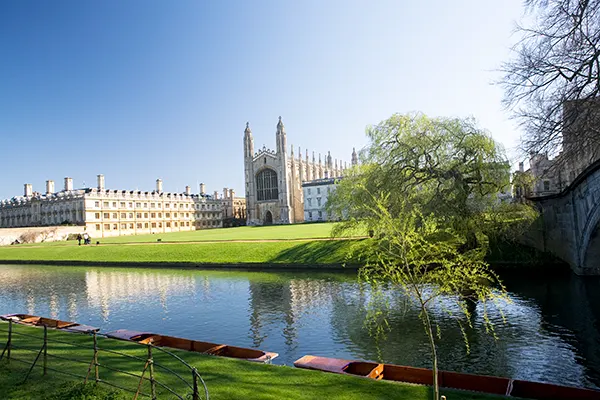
[(447, 379), (34, 320), (215, 349)]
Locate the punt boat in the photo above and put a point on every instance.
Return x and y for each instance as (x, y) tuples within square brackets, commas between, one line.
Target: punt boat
[(34, 320), (453, 380), (215, 349)]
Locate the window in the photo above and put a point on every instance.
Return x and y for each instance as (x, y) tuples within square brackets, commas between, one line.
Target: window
[(96, 204), (308, 190), (167, 215), (318, 190), (105, 204), (107, 227), (309, 202), (310, 215), (152, 205), (115, 227), (168, 224), (145, 215), (320, 214), (159, 215), (107, 215), (174, 215), (138, 215), (546, 185), (97, 227), (130, 204), (139, 225), (123, 226), (122, 204), (97, 215), (319, 202), (114, 204), (167, 205), (131, 225), (175, 224), (154, 224), (138, 205), (130, 215), (145, 205), (266, 185), (123, 215), (146, 225), (152, 215), (114, 215)]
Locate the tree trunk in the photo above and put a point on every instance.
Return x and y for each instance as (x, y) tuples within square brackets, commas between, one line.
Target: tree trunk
[(429, 330)]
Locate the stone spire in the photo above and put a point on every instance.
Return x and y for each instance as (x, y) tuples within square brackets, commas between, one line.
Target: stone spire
[(281, 137), (329, 162), (248, 142), (354, 157)]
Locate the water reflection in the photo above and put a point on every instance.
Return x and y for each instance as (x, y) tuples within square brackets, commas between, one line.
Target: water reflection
[(551, 332)]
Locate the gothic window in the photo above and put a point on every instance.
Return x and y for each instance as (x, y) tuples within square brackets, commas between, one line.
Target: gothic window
[(266, 185)]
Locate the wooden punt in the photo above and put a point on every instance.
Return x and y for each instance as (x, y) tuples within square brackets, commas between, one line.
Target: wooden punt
[(34, 320), (447, 379), (215, 349)]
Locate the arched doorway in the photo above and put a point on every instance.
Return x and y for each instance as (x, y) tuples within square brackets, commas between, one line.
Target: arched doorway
[(268, 218)]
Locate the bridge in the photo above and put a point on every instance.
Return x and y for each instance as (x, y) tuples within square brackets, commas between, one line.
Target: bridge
[(569, 225)]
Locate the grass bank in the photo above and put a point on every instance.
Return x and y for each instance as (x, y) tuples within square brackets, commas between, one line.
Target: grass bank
[(225, 378), (309, 252)]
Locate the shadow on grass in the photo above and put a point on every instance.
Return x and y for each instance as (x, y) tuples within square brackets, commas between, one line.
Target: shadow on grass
[(318, 252)]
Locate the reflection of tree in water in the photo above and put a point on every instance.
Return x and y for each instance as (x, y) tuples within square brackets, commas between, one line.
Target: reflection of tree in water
[(525, 349)]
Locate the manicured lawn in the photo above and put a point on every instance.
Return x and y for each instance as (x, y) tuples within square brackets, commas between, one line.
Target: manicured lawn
[(225, 378), (284, 252)]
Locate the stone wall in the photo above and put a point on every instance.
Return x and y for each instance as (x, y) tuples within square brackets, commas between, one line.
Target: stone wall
[(45, 233)]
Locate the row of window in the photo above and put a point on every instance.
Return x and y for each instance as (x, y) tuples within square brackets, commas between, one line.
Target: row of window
[(107, 204), (153, 215), (310, 202), (153, 225)]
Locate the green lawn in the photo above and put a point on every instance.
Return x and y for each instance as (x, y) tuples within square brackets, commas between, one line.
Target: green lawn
[(225, 378), (283, 252)]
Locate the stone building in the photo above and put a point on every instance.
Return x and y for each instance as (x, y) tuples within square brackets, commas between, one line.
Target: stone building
[(274, 179), (580, 149), (107, 212), (316, 193)]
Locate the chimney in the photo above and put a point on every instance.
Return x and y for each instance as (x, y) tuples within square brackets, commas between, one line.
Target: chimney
[(202, 189), (68, 184), (231, 194), (49, 186), (159, 188), (224, 193), (216, 195), (28, 191), (188, 190), (100, 182), (521, 167)]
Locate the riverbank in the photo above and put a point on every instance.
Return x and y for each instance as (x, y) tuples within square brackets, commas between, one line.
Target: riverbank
[(225, 378)]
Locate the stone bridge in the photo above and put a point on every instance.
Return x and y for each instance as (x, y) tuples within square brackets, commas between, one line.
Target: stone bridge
[(569, 226)]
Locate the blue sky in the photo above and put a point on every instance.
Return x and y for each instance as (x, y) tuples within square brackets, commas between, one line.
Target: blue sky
[(140, 90)]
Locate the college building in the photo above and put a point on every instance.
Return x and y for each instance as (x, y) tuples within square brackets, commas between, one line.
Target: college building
[(274, 180), (107, 212)]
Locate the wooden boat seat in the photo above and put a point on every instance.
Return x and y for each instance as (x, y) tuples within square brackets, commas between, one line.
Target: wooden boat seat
[(216, 350)]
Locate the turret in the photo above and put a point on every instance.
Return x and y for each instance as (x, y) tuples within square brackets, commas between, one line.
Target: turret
[(202, 189), (248, 142), (329, 161), (188, 190), (49, 186), (354, 157), (281, 137), (28, 190), (159, 186)]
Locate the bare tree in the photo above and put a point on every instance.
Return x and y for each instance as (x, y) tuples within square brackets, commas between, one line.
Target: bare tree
[(552, 83), (47, 234)]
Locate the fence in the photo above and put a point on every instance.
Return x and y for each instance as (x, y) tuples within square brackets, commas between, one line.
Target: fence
[(173, 385)]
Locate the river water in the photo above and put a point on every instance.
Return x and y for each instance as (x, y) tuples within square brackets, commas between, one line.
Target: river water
[(551, 333)]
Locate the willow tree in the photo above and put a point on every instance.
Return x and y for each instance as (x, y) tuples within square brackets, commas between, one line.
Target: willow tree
[(427, 192)]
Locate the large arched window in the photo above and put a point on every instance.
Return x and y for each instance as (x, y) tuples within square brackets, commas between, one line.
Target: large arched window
[(266, 185)]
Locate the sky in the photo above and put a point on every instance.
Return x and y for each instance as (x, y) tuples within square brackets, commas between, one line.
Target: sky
[(140, 90)]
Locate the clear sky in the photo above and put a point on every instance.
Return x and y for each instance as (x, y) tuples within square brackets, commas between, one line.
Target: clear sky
[(139, 90)]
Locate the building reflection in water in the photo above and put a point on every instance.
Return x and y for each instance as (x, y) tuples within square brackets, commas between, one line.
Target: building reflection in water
[(107, 288)]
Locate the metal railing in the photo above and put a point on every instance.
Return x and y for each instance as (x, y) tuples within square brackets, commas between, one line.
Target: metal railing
[(192, 387)]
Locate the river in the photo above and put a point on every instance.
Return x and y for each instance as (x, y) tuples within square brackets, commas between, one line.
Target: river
[(551, 333)]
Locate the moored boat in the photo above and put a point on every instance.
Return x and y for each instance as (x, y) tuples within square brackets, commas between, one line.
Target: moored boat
[(35, 320), (447, 379), (215, 349)]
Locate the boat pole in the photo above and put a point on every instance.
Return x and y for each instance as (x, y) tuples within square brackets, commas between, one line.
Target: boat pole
[(195, 378), (151, 371)]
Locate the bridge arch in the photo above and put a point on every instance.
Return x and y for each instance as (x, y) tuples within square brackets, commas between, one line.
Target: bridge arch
[(589, 251)]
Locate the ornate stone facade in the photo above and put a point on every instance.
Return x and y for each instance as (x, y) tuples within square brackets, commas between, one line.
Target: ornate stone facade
[(274, 179)]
